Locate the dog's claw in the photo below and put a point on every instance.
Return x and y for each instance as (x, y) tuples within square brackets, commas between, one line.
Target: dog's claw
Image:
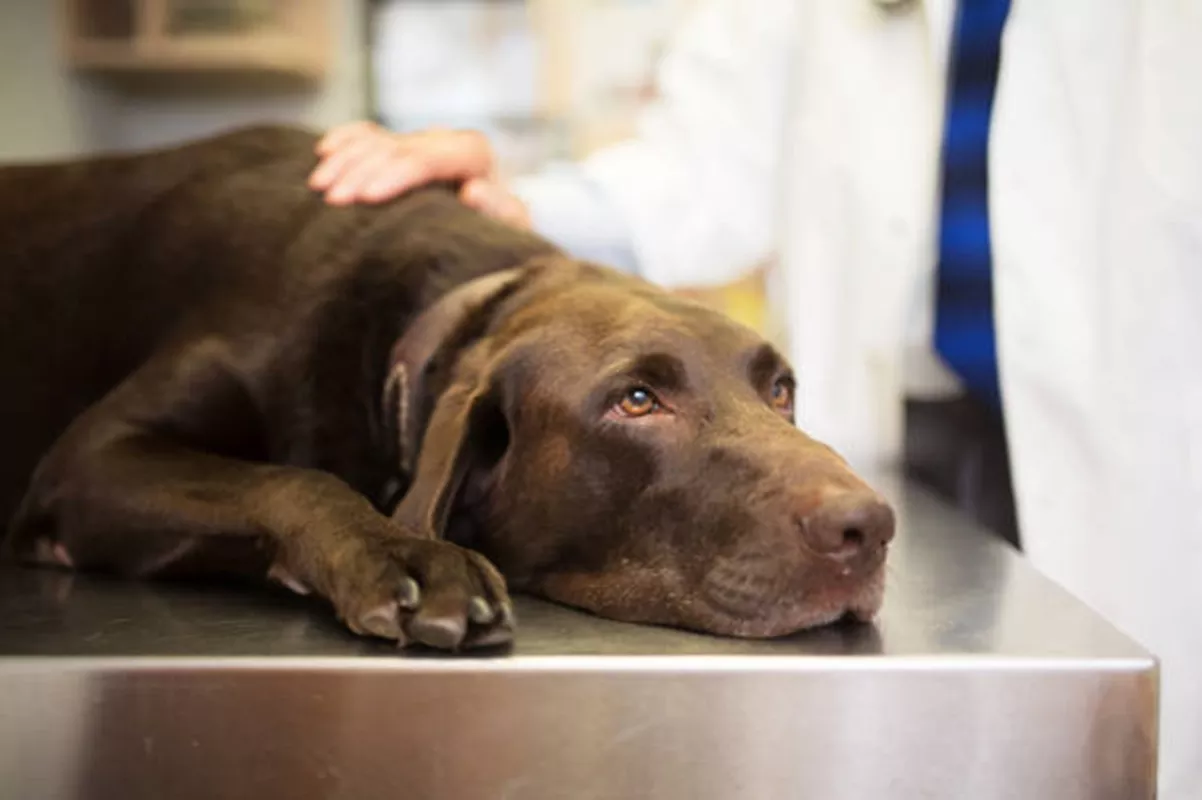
[(501, 632), (433, 593), (506, 617), (479, 611), (282, 576), (410, 594)]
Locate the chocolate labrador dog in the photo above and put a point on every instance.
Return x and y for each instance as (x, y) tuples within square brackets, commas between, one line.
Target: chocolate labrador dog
[(408, 409)]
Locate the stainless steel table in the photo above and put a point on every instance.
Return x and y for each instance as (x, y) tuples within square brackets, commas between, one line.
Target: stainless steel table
[(981, 680)]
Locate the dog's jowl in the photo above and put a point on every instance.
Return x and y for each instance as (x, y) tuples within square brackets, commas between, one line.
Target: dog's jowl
[(409, 410)]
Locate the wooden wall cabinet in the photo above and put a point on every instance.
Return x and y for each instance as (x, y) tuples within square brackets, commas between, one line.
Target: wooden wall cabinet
[(282, 37)]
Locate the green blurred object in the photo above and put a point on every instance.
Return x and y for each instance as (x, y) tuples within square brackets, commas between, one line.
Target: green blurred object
[(219, 16)]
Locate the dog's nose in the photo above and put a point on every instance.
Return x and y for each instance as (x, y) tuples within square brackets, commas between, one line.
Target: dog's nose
[(848, 525)]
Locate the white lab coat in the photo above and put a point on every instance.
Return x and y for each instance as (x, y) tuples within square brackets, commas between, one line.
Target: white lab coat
[(811, 128)]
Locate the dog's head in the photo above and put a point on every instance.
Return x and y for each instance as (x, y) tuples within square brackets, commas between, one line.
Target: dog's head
[(613, 447)]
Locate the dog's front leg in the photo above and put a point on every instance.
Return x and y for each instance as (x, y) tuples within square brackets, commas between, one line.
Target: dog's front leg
[(143, 506), (128, 488)]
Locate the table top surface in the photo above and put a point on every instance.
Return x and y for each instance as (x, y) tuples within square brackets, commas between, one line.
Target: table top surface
[(954, 593)]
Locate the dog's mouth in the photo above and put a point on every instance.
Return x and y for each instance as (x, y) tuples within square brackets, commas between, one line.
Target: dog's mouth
[(739, 603), (768, 613)]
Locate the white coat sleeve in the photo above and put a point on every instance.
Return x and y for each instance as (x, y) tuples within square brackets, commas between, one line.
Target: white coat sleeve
[(695, 193), (572, 212)]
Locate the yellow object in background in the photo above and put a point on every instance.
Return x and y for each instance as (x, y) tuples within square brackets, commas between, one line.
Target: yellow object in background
[(745, 301)]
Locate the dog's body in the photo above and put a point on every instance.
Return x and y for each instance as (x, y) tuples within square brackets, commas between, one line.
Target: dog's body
[(220, 245), (208, 369)]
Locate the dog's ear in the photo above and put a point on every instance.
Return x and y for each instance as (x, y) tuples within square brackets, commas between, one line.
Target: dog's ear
[(435, 445), (454, 440), (437, 332)]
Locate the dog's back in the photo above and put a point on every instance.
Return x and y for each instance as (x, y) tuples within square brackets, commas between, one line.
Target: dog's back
[(89, 284), (104, 260)]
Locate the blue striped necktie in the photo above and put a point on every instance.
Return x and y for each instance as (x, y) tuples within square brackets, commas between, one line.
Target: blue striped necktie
[(964, 333)]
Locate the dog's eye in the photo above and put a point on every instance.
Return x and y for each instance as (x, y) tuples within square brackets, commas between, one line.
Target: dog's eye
[(638, 402), (782, 394)]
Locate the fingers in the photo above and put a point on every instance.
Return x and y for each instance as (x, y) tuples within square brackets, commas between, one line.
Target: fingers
[(354, 156), (364, 163), (342, 166), (369, 165), (336, 137), (391, 182)]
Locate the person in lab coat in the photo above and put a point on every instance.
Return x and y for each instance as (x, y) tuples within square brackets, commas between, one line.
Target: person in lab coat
[(814, 131)]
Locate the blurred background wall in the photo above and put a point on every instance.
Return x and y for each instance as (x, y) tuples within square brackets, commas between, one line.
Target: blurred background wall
[(548, 79), (52, 105)]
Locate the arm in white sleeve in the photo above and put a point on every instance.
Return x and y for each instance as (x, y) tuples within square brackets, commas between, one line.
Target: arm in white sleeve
[(573, 213), (696, 191)]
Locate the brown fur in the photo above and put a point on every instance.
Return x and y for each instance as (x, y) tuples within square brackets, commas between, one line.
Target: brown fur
[(210, 371)]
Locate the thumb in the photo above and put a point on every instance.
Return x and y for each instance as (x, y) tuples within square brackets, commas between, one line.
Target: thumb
[(494, 200)]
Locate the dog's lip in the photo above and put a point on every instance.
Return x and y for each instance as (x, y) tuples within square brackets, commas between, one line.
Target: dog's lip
[(861, 597), (860, 569)]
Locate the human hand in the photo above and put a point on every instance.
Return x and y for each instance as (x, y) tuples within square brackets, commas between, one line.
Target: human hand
[(361, 162)]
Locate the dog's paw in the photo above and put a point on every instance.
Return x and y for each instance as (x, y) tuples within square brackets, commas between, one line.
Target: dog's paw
[(419, 591)]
